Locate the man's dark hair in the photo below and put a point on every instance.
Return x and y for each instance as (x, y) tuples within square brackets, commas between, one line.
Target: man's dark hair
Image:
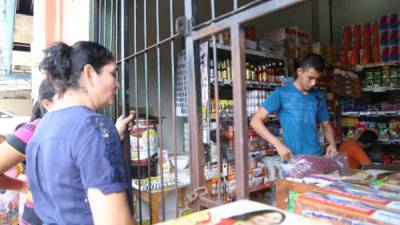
[(368, 137), (312, 60)]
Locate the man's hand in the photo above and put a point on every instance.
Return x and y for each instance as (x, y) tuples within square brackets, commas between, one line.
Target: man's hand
[(284, 152), (121, 124), (331, 150)]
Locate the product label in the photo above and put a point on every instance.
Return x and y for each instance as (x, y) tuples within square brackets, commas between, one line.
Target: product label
[(386, 217)]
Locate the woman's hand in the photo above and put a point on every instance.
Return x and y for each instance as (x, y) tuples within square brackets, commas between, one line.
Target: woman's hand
[(122, 123)]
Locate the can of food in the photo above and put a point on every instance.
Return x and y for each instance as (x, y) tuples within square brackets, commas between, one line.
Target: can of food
[(144, 141)]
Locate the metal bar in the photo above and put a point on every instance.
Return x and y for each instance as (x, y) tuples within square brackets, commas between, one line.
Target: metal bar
[(160, 154), (228, 14), (146, 88), (195, 126), (216, 96), (116, 27), (235, 4), (137, 106), (100, 20), (241, 17), (104, 22), (124, 81), (172, 52), (96, 24), (111, 24), (212, 9), (239, 111), (150, 47)]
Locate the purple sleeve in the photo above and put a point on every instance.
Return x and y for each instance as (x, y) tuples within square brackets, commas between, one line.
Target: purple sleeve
[(20, 138), (99, 157)]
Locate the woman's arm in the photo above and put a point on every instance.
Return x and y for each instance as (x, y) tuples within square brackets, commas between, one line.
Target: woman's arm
[(109, 209), (9, 157)]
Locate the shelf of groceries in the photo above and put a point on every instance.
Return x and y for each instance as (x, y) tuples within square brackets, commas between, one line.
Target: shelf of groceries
[(371, 113), (249, 84), (361, 67), (249, 51)]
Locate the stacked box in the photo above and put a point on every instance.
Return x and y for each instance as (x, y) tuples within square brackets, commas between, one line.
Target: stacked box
[(368, 197), (343, 207)]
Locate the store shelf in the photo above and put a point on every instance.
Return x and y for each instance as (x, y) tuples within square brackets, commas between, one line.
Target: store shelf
[(248, 52), (389, 141), (272, 117), (381, 89), (371, 114), (249, 84), (359, 68), (261, 187)]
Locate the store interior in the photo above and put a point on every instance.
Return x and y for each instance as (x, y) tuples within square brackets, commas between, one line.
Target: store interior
[(359, 40)]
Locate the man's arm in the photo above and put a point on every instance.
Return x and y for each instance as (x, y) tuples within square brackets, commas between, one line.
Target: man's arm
[(109, 209), (329, 134), (257, 123)]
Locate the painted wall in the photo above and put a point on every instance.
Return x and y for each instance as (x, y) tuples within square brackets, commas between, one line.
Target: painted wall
[(21, 107)]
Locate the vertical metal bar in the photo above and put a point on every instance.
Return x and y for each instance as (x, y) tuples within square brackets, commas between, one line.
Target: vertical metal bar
[(172, 52), (137, 107), (212, 9), (216, 96), (239, 109), (124, 81), (146, 87), (160, 154), (111, 25), (100, 20), (96, 18), (235, 4), (104, 22), (195, 126)]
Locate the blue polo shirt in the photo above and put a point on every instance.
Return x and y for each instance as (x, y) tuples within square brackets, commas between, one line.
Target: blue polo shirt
[(72, 150), (298, 115)]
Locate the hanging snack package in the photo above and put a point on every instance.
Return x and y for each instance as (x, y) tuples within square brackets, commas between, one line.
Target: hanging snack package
[(302, 165)]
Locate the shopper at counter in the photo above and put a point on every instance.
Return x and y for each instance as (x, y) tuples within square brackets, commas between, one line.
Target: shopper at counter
[(355, 149), (75, 163), (299, 107)]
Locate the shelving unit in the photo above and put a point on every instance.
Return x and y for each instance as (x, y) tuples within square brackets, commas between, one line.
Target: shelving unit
[(360, 68), (250, 52), (249, 84), (372, 114)]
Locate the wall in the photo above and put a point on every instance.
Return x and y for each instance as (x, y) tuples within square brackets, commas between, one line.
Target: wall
[(23, 28), (21, 107)]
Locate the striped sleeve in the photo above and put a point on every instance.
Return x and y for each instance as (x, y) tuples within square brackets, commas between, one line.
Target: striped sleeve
[(20, 138)]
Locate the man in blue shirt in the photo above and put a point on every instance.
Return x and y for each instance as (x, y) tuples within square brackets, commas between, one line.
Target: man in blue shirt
[(299, 108)]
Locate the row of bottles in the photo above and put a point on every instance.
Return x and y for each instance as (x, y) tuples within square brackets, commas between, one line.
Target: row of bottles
[(254, 99), (270, 72)]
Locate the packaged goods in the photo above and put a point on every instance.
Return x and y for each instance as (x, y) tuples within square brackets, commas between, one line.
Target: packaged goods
[(383, 22), (356, 37), (384, 54), (302, 165), (344, 207), (9, 202), (393, 37), (384, 38), (394, 53), (373, 198), (393, 21), (346, 37)]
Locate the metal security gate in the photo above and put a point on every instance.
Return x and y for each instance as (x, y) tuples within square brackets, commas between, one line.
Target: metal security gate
[(232, 22), (157, 45)]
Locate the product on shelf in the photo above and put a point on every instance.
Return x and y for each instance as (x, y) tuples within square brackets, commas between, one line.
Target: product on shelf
[(366, 43)]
